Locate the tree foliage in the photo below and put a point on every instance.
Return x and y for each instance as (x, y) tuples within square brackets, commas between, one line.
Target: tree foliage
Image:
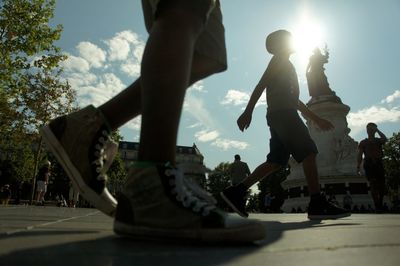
[(217, 181), (32, 90), (391, 160)]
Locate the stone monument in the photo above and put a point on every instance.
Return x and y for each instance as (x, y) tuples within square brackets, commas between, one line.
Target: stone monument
[(337, 157)]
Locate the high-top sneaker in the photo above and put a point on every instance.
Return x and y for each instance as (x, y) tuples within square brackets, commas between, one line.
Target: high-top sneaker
[(80, 142), (159, 203)]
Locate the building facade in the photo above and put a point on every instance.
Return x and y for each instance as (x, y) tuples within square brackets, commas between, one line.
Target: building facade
[(188, 158)]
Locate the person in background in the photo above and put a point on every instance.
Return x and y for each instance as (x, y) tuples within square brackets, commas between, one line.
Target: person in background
[(370, 152), (42, 180)]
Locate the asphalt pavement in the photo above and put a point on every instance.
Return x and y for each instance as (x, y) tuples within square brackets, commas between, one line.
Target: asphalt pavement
[(31, 235)]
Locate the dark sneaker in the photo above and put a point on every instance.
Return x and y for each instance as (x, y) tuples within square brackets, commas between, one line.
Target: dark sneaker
[(157, 203), (235, 197), (80, 142), (320, 209)]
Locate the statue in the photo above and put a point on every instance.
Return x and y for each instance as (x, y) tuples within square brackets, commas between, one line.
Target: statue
[(317, 81)]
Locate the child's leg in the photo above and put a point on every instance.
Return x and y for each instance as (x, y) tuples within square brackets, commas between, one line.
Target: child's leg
[(124, 106), (311, 173), (263, 170), (166, 68)]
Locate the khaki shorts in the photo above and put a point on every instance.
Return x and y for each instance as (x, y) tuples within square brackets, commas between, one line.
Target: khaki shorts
[(211, 42), (41, 186)]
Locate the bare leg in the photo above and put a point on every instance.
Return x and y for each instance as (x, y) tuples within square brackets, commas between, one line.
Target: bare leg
[(124, 106), (311, 173), (166, 69), (259, 173)]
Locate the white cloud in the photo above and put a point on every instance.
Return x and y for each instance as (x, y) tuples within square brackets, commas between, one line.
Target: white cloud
[(77, 79), (377, 114), (392, 98), (134, 123), (99, 90), (206, 136), (195, 106), (74, 63), (126, 46), (194, 125), (119, 46), (198, 86), (227, 144), (235, 97), (91, 53), (131, 68)]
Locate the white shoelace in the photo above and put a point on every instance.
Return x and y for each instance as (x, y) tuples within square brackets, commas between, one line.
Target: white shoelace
[(190, 193), (105, 151)]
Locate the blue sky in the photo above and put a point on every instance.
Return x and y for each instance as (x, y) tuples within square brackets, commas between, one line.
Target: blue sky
[(105, 41)]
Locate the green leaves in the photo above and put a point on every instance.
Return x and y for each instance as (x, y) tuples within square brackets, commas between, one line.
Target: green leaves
[(32, 89)]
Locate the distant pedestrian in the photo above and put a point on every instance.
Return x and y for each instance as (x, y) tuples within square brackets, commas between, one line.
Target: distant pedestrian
[(347, 201), (42, 180), (238, 170), (73, 196), (5, 194), (370, 152), (268, 202)]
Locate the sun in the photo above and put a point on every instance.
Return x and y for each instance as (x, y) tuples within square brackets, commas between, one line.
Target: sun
[(307, 35)]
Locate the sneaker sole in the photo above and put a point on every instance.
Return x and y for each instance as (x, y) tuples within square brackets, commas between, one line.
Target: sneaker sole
[(242, 234), (232, 205), (328, 217), (89, 194)]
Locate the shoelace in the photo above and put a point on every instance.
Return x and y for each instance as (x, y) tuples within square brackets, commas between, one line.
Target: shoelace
[(189, 193), (105, 151)]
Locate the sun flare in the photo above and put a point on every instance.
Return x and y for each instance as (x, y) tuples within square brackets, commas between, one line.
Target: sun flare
[(306, 36)]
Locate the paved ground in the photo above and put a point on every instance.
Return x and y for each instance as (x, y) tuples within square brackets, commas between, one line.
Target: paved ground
[(62, 236)]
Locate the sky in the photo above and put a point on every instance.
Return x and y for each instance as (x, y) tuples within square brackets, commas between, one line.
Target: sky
[(105, 41)]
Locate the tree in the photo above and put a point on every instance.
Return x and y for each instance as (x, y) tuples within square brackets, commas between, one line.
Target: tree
[(218, 179), (116, 175), (32, 91), (391, 161)]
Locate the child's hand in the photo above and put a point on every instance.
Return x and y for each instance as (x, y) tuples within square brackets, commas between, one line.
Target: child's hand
[(324, 124), (244, 121)]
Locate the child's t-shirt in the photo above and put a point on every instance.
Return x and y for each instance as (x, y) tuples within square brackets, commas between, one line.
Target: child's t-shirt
[(283, 88)]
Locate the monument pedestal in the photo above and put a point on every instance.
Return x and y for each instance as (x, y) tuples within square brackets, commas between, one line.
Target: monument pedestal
[(336, 160)]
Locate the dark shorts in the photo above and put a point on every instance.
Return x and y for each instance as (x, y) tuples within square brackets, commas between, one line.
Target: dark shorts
[(210, 45), (289, 136), (375, 173)]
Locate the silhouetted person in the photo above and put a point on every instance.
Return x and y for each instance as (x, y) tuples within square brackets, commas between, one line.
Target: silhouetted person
[(289, 134), (238, 170), (5, 194), (370, 152), (347, 201), (316, 79)]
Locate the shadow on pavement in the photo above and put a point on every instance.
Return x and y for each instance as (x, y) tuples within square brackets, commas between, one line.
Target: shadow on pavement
[(113, 250), (275, 229)]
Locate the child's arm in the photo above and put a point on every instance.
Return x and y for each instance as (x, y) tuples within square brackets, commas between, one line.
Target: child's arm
[(323, 124), (244, 119)]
